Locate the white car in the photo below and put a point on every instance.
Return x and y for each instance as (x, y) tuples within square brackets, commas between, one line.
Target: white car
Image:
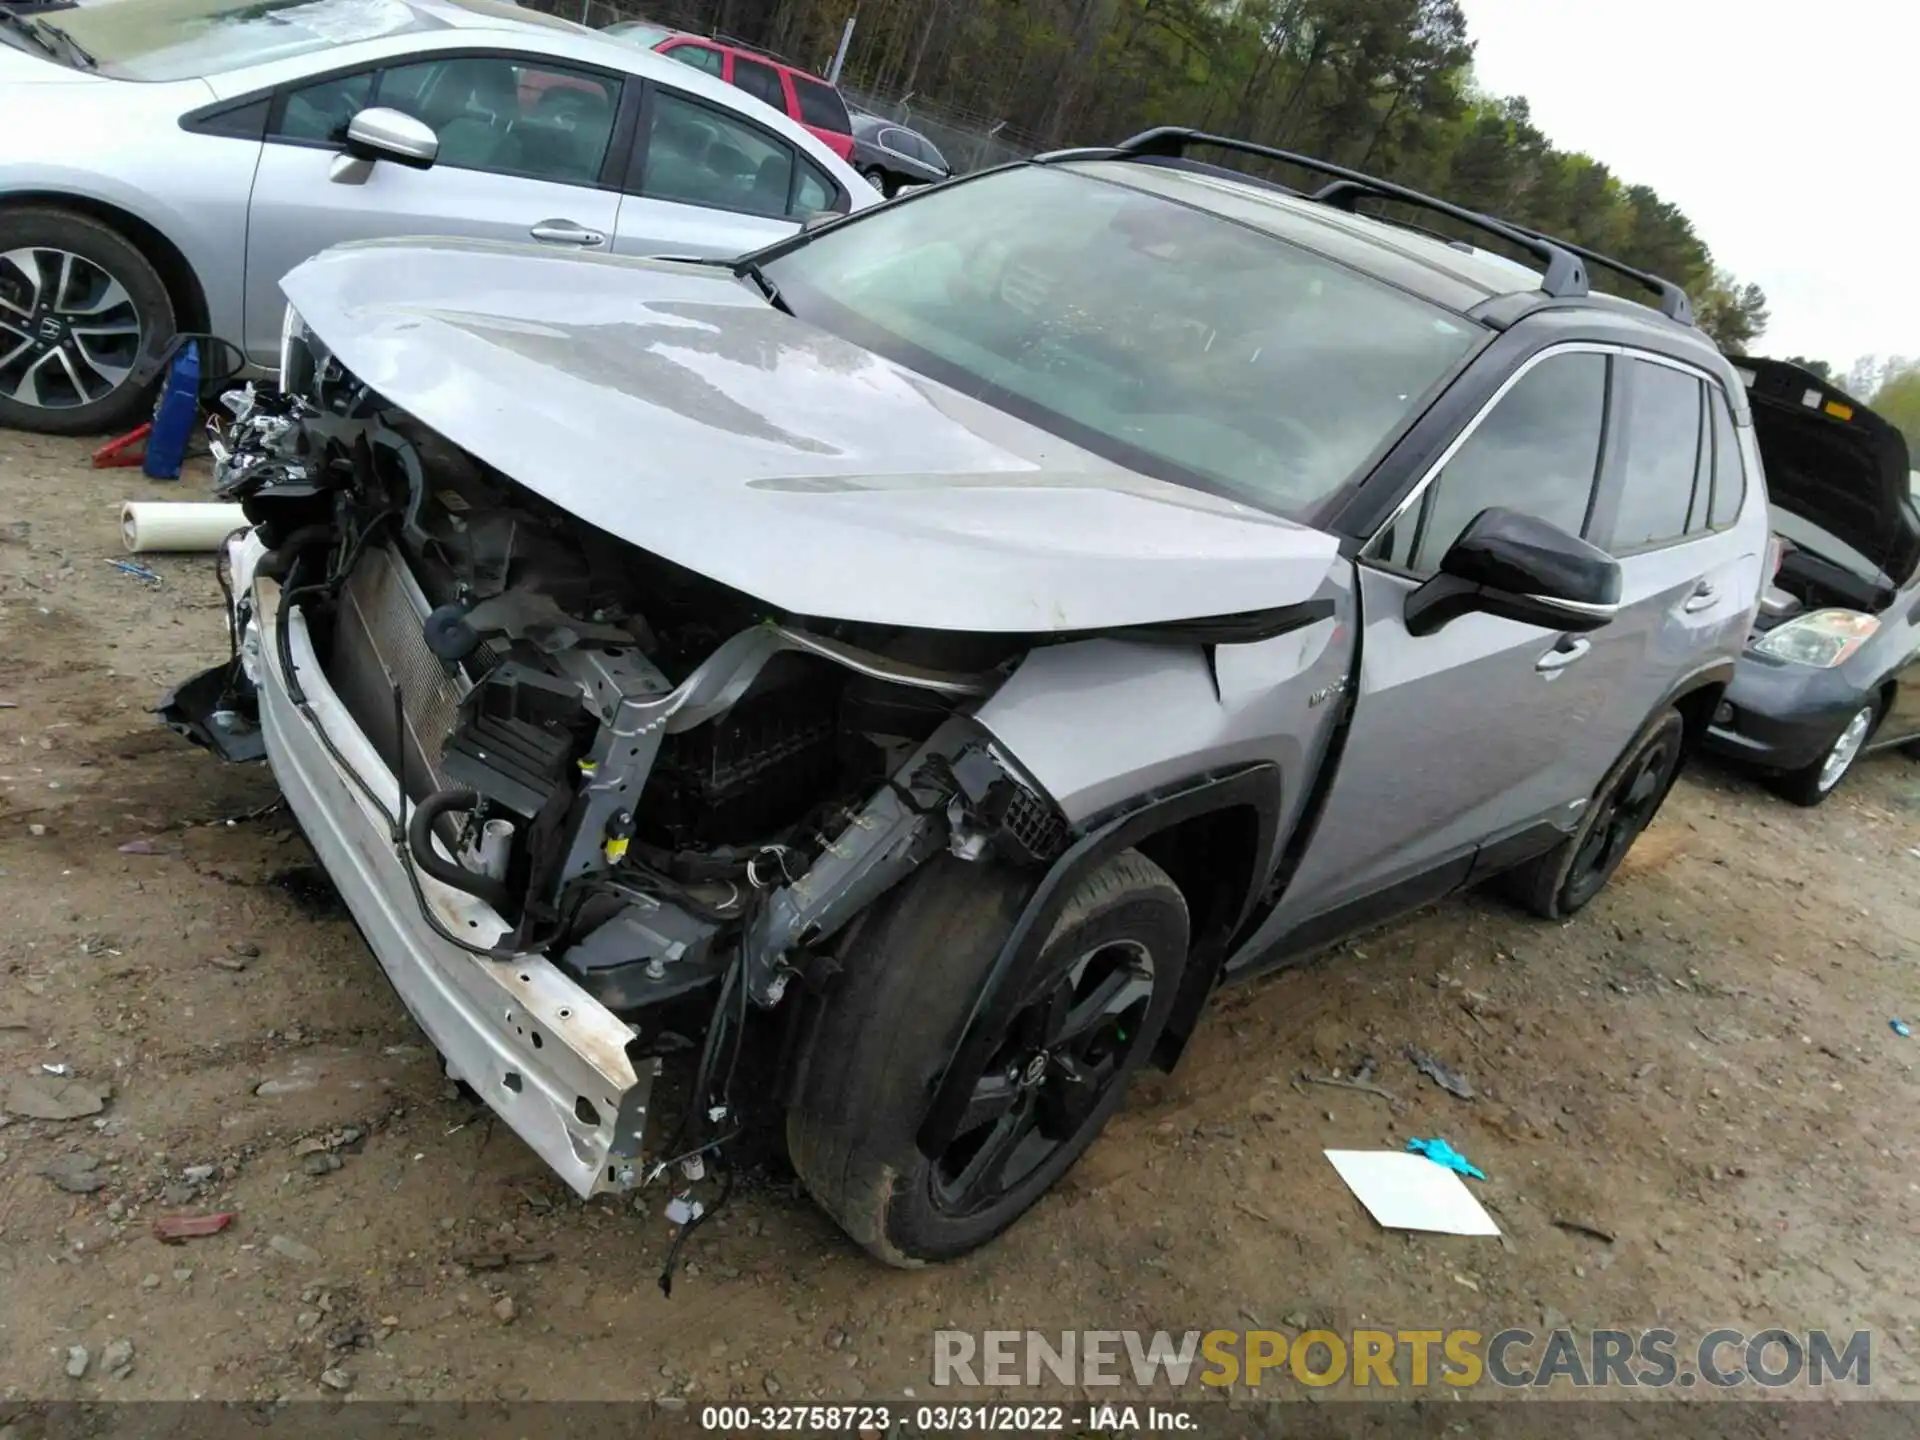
[(166, 162)]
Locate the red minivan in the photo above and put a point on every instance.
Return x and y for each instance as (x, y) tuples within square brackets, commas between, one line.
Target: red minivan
[(805, 98)]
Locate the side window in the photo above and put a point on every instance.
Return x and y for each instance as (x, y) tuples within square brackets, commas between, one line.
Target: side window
[(1729, 478), (813, 191), (496, 114), (932, 156), (1537, 451), (821, 106), (760, 81), (702, 156), (700, 57), (319, 112), (1661, 438)]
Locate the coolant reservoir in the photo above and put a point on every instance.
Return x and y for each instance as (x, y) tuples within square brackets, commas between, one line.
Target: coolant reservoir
[(1777, 604)]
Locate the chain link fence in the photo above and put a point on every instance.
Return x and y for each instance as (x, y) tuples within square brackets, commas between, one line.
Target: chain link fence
[(970, 141)]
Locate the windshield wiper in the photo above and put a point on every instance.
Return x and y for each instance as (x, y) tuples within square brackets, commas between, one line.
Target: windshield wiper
[(20, 25), (75, 51), (759, 277), (49, 37)]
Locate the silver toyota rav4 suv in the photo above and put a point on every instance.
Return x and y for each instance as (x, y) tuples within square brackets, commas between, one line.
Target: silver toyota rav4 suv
[(929, 656)]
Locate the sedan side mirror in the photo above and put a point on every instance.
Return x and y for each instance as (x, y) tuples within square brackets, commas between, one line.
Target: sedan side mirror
[(1521, 568), (378, 133)]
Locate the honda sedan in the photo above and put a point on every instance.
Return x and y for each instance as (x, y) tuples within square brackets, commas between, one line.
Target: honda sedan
[(166, 163)]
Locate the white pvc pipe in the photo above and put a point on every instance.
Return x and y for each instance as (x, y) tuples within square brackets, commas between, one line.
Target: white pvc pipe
[(149, 525)]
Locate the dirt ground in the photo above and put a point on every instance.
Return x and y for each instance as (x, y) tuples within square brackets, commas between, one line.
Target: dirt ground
[(1700, 1065)]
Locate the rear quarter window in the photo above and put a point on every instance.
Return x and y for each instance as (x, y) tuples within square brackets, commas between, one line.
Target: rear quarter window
[(821, 106), (1729, 476)]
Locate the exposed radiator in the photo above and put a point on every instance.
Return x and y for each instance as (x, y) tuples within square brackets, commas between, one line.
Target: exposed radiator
[(378, 643)]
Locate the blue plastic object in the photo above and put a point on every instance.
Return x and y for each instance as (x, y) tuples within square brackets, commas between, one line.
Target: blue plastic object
[(174, 416), (1441, 1153), (1901, 1028)]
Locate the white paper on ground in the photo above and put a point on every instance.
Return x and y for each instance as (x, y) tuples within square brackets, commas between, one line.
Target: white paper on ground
[(1410, 1192)]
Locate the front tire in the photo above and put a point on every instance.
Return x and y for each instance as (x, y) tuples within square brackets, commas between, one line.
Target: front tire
[(1091, 1005), (80, 308), (1812, 783), (1563, 880)]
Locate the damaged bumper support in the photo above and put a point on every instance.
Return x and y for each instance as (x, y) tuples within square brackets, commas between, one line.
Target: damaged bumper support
[(544, 1054)]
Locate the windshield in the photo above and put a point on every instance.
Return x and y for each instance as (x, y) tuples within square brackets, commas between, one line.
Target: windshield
[(1164, 337), (185, 39)]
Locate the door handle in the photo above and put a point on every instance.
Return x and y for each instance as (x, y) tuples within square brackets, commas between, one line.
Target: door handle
[(565, 232), (1562, 655), (1703, 596)]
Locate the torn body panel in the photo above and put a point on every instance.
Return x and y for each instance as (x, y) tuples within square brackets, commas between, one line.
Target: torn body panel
[(1172, 712)]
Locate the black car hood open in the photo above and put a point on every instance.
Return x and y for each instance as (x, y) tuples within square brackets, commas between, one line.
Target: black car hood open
[(1832, 461)]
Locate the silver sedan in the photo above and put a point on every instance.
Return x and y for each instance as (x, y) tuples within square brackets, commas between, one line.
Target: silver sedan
[(165, 162)]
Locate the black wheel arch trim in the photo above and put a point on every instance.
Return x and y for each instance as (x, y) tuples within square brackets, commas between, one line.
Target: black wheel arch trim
[(1256, 787), (1716, 676)]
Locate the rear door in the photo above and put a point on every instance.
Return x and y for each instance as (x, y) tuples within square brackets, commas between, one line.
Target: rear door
[(1483, 731), (525, 146), (1670, 512), (706, 181)]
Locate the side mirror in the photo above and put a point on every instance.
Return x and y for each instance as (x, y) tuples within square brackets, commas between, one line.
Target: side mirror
[(378, 133), (1521, 568), (819, 218)]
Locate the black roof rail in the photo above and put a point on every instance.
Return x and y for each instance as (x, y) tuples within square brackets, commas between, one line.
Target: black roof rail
[(1565, 275), (1674, 303)]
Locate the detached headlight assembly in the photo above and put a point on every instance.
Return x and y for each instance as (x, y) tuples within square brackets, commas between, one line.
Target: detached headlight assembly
[(1820, 638)]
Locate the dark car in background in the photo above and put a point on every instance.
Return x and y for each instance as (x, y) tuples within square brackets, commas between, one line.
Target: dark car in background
[(890, 155), (795, 93), (1832, 670)]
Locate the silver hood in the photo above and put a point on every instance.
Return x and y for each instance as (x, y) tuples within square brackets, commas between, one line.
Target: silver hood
[(671, 406)]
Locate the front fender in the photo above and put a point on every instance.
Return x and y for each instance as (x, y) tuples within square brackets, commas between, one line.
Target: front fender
[(126, 153), (1256, 787)]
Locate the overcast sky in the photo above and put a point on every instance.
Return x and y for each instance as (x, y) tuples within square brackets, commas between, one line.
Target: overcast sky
[(1789, 134)]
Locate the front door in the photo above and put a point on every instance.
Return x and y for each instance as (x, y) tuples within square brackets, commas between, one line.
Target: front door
[(523, 143), (1486, 728)]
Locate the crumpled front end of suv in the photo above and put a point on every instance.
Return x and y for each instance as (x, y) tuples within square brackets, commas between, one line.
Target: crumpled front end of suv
[(559, 786), (570, 787)]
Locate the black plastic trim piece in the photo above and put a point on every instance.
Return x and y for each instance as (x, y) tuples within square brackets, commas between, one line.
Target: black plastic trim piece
[(1363, 912), (1256, 786), (1246, 628), (233, 120)]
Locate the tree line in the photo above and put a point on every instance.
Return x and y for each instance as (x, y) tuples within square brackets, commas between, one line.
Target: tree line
[(1384, 86)]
